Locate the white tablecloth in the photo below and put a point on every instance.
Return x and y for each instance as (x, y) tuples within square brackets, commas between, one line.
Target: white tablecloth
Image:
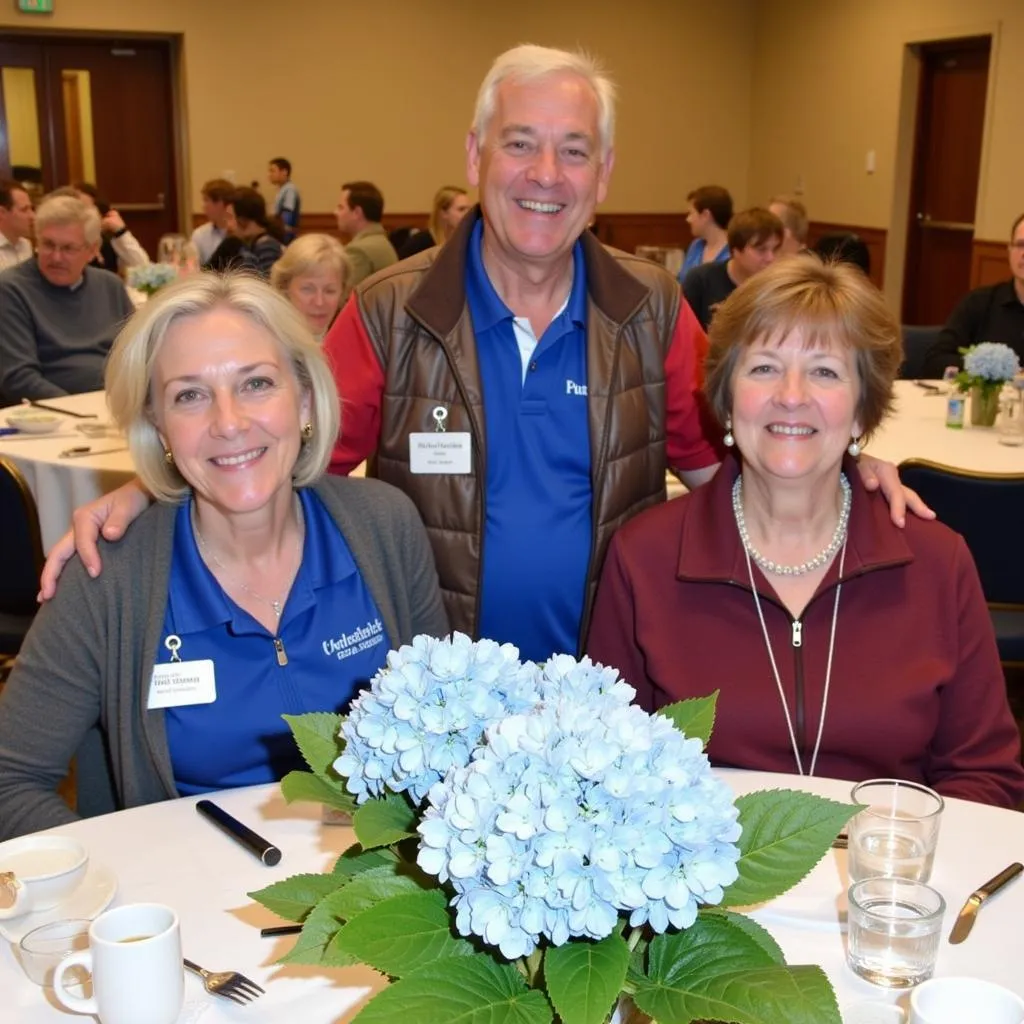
[(61, 485), (168, 853)]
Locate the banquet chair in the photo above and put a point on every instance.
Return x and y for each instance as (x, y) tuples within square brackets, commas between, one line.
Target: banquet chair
[(21, 554), (916, 343), (987, 510)]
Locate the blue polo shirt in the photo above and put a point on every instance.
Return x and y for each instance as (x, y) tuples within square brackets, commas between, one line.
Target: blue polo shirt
[(332, 634), (538, 531)]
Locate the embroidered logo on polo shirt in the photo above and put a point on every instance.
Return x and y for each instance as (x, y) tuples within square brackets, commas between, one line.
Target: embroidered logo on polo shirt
[(572, 388), (362, 638)]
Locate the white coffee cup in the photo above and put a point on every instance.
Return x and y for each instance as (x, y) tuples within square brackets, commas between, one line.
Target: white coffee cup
[(38, 872), (956, 1000), (134, 957)]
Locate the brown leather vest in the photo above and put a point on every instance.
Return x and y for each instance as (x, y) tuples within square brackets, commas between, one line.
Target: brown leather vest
[(419, 323)]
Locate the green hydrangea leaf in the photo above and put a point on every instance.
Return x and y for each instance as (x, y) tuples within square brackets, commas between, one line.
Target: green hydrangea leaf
[(695, 718), (316, 943), (384, 822), (785, 833), (293, 898), (403, 933), (318, 735), (355, 860), (468, 990), (297, 787), (371, 887), (584, 979), (753, 930), (716, 970)]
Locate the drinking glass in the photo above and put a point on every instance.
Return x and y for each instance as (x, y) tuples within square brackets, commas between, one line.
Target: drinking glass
[(894, 930), (1010, 426), (170, 249), (896, 834), (43, 948)]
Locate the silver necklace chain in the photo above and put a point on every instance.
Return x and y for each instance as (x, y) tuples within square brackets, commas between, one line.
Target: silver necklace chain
[(817, 561), (278, 605), (775, 668)]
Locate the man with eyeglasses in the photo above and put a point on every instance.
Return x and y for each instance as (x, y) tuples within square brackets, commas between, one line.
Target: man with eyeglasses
[(58, 315), (16, 216), (994, 313)]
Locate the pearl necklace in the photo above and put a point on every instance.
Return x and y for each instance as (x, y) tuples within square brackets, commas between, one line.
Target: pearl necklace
[(822, 558), (278, 604)]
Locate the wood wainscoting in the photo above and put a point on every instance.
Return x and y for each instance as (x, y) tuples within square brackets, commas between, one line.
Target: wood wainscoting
[(626, 231), (989, 263), (325, 224)]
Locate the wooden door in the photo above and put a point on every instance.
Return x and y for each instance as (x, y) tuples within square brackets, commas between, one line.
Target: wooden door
[(107, 114), (944, 189)]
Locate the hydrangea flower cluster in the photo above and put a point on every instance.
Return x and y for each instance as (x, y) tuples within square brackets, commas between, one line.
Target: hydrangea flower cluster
[(426, 711), (991, 361), (574, 811), (151, 277)]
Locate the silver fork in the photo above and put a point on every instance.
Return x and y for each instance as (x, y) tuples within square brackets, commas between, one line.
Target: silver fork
[(229, 984)]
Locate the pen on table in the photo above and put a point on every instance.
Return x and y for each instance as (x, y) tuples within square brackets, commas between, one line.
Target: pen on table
[(242, 834), (83, 450), (280, 929), (54, 408)]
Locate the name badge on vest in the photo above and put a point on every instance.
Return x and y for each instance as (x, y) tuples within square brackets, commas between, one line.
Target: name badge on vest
[(441, 451), (181, 683)]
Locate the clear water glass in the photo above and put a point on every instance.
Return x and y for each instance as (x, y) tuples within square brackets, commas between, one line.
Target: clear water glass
[(894, 931), (1010, 425), (44, 947), (897, 833)]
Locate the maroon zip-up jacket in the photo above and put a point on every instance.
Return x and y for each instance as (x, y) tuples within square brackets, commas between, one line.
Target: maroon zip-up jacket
[(917, 691)]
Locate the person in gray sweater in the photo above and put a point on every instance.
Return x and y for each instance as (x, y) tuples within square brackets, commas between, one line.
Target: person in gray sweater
[(58, 316), (253, 586)]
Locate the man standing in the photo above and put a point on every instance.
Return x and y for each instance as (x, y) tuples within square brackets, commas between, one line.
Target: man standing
[(16, 219), (359, 212), (287, 202), (58, 315), (216, 195), (524, 385), (995, 313), (795, 225), (754, 239)]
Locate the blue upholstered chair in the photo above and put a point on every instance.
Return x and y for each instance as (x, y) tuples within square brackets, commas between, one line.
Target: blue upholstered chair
[(916, 342), (987, 510)]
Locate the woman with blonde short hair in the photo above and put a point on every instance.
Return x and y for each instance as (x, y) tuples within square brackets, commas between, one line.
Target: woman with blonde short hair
[(451, 204), (313, 275), (254, 586), (841, 646)]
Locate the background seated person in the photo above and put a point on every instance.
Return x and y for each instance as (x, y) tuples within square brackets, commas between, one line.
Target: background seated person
[(216, 194), (708, 216), (253, 243), (995, 313), (358, 214), (313, 276), (754, 239), (58, 315), (120, 250), (16, 219), (841, 646), (450, 205), (294, 586), (795, 225)]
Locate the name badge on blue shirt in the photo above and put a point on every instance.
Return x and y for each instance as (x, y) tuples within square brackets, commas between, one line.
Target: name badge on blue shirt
[(178, 684)]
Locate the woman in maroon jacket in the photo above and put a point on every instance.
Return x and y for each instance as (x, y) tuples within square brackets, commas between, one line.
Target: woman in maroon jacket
[(841, 646)]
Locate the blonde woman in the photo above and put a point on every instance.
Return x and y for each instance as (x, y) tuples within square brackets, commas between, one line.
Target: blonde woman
[(253, 587), (451, 204), (313, 275)]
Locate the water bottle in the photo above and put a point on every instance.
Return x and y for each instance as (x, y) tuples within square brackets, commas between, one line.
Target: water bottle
[(1010, 428)]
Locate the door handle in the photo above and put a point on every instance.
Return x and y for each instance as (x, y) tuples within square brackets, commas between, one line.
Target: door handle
[(140, 207), (946, 225)]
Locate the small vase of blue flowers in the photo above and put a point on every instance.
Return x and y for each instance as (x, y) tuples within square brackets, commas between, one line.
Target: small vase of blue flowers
[(987, 367), (151, 277), (535, 848)]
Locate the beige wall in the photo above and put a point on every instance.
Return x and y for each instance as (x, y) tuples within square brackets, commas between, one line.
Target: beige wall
[(828, 77), (388, 95)]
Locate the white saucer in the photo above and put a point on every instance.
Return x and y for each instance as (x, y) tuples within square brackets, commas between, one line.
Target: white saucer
[(90, 899)]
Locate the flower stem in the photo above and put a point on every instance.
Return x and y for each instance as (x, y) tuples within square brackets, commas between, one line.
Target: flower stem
[(532, 964)]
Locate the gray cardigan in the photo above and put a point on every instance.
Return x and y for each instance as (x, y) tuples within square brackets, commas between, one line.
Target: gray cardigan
[(81, 680)]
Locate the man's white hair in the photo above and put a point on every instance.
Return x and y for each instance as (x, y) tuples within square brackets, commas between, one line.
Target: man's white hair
[(528, 63), (63, 209)]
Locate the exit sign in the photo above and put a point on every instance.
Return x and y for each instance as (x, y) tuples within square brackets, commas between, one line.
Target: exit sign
[(36, 6)]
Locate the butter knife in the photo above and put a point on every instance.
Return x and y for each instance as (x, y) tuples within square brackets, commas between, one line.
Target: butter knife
[(965, 919)]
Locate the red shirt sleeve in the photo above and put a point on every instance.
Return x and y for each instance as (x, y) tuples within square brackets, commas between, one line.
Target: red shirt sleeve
[(690, 433), (360, 379)]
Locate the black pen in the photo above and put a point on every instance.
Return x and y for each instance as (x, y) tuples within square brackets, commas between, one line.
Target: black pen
[(280, 929), (242, 834)]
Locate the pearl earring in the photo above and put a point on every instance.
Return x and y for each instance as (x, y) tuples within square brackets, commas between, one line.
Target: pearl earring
[(854, 446), (728, 440)]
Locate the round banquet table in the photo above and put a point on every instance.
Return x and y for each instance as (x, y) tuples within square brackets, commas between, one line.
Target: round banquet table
[(61, 485), (167, 853)]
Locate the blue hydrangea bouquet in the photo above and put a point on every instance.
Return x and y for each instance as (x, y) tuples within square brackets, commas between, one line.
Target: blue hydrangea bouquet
[(987, 367), (533, 847), (151, 277)]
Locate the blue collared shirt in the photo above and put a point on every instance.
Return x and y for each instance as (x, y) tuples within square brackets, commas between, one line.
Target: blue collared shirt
[(332, 634), (538, 529)]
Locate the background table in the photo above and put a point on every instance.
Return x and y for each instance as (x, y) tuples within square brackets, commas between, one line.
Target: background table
[(61, 485), (168, 853)]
